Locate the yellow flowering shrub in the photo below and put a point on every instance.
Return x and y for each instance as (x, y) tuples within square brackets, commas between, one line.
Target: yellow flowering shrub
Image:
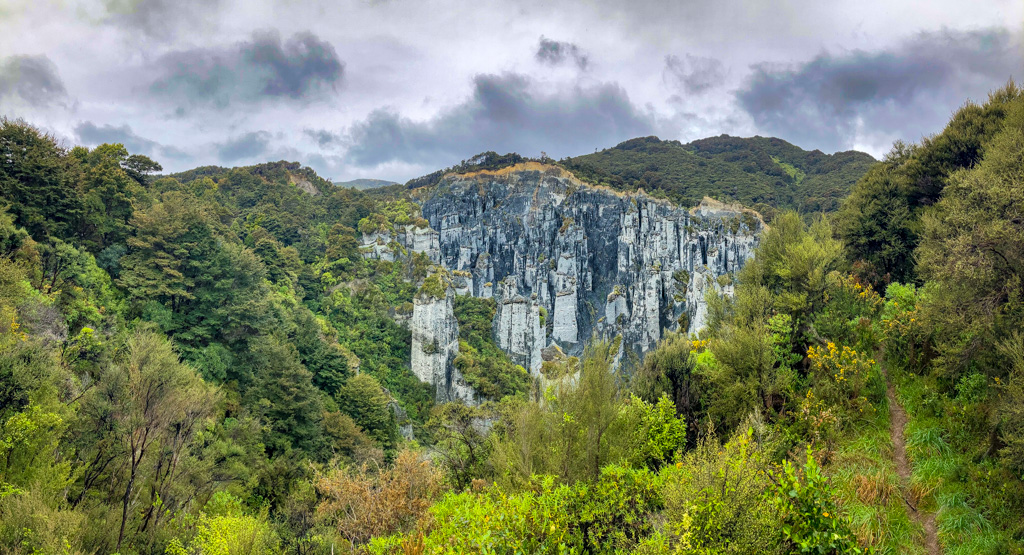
[(850, 308), (840, 375)]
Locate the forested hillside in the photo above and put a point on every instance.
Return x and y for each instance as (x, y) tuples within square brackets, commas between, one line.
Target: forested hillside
[(169, 338), (764, 173), (206, 362)]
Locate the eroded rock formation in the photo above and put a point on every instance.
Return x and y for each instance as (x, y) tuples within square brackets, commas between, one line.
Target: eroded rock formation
[(435, 344), (566, 261)]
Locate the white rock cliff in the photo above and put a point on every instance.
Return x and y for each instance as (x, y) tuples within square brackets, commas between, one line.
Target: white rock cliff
[(435, 344), (588, 261)]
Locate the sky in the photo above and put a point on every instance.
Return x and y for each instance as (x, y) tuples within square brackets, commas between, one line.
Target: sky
[(394, 89)]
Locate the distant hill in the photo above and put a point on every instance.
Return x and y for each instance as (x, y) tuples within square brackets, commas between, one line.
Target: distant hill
[(757, 171), (283, 172), (364, 184)]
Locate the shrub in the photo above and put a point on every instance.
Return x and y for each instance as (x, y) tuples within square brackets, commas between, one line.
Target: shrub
[(361, 503), (902, 330), (716, 499), (848, 312), (656, 434), (610, 515), (811, 520), (224, 528), (840, 375), (435, 286)]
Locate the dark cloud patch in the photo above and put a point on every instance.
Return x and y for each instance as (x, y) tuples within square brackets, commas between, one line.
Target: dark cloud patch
[(33, 79), (161, 19), (302, 68), (553, 52), (90, 134), (909, 90), (247, 146), (505, 113), (322, 137), (693, 74)]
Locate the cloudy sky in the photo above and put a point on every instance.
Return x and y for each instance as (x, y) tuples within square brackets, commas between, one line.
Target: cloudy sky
[(393, 89)]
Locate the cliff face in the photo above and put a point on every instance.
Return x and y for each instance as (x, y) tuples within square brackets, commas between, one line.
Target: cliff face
[(435, 344), (584, 260)]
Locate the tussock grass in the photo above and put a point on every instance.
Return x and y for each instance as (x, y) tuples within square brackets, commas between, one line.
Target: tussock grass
[(927, 442)]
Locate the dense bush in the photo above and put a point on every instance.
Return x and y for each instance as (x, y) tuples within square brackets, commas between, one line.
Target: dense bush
[(484, 365), (881, 221), (717, 498)]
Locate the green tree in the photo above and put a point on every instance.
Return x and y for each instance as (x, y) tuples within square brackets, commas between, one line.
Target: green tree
[(973, 253), (109, 196), (285, 397), (668, 370), (460, 441), (880, 222), (39, 180), (881, 231), (320, 354), (187, 273), (152, 399), (524, 442), (167, 236), (138, 167), (365, 401), (589, 405)]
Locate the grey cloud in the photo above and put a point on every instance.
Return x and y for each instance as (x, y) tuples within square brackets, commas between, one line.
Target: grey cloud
[(693, 74), (505, 113), (302, 68), (34, 79), (322, 137), (557, 52), (909, 90), (89, 133), (161, 19), (247, 146)]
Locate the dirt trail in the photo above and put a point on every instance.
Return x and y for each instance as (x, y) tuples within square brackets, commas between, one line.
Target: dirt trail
[(897, 423)]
